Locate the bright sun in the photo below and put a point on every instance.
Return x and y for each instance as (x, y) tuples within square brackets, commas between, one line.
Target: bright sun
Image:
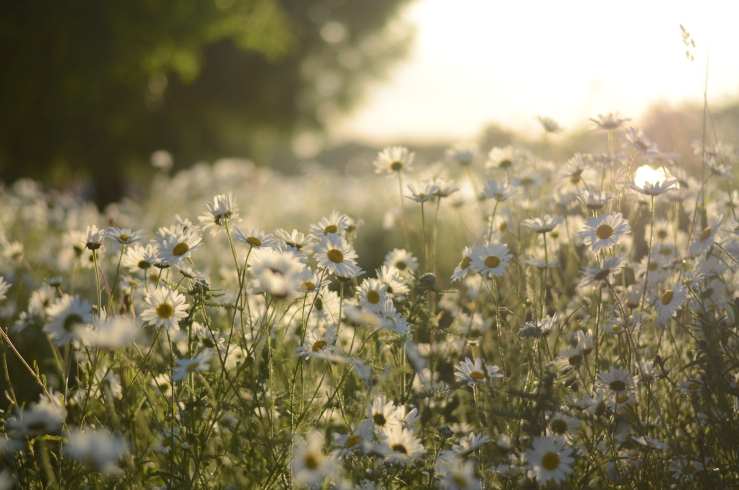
[(645, 174)]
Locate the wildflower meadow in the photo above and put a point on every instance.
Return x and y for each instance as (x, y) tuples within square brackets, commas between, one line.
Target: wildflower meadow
[(492, 320)]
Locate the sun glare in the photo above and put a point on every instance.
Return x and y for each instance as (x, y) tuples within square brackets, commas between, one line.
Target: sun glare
[(645, 174)]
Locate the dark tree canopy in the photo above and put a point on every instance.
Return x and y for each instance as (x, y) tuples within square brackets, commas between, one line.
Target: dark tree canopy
[(91, 88)]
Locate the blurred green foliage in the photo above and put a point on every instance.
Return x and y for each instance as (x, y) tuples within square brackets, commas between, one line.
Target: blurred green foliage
[(90, 89)]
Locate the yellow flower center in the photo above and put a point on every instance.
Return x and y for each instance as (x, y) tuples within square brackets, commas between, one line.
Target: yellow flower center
[(165, 310), (558, 426), (575, 360), (165, 442), (330, 229), (492, 262), (379, 419), (667, 297), (653, 266), (527, 181), (335, 256), (373, 297), (318, 345), (180, 249), (192, 366), (550, 461), (622, 398), (311, 462), (460, 480), (641, 145), (604, 232), (693, 385), (422, 195), (503, 227), (705, 234), (124, 237), (396, 166), (353, 441), (254, 241), (497, 195), (477, 376), (465, 263), (308, 286), (400, 265), (505, 164)]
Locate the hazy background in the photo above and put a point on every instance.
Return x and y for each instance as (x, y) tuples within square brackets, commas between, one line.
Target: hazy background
[(91, 90)]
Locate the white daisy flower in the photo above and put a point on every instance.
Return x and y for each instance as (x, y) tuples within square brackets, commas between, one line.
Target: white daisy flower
[(383, 414), (549, 459), (602, 272), (706, 238), (500, 192), (609, 122), (655, 188), (253, 236), (395, 284), (97, 449), (168, 439), (295, 239), (594, 201), (356, 440), (544, 224), (310, 281), (402, 260), (604, 231), (94, 238), (392, 319), (549, 124), (113, 332), (125, 236), (637, 140), (165, 307), (445, 188), (135, 258), (461, 270), (401, 446), (175, 247), (309, 465), (462, 153), (223, 210), (44, 417), (457, 474), (68, 320), (471, 373), (668, 303), (502, 158), (336, 255), (315, 343), (187, 366), (490, 259), (371, 295), (4, 286), (335, 223), (426, 190), (394, 159)]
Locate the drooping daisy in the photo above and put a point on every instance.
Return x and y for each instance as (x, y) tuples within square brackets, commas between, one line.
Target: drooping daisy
[(253, 236), (94, 238), (609, 122), (500, 192), (549, 124), (223, 210), (426, 190), (490, 259), (165, 307), (125, 236), (335, 223), (462, 153), (336, 255), (655, 188), (549, 459), (594, 201), (400, 445), (668, 303), (544, 224), (295, 239), (402, 260), (467, 445), (184, 367), (276, 272), (135, 257), (637, 140), (445, 188), (392, 319), (371, 295), (604, 231), (650, 443), (394, 159), (502, 158), (602, 272), (175, 247), (68, 320), (310, 281)]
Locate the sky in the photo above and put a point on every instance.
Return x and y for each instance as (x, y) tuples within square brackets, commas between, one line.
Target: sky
[(477, 62)]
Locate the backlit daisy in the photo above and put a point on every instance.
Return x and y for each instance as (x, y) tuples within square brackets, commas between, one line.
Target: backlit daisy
[(500, 192), (426, 190), (503, 158), (315, 343), (97, 448), (223, 210), (704, 239), (604, 231), (668, 301), (462, 153), (394, 159), (336, 255), (469, 372), (383, 414), (609, 122), (371, 295), (335, 223), (400, 445), (184, 367), (402, 260), (125, 236), (457, 474), (544, 224), (253, 236), (174, 247), (602, 272), (165, 307), (490, 259)]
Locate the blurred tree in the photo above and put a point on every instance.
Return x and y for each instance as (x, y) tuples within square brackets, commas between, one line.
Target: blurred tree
[(91, 89)]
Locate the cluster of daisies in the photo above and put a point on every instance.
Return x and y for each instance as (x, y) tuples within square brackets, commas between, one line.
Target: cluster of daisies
[(586, 335)]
